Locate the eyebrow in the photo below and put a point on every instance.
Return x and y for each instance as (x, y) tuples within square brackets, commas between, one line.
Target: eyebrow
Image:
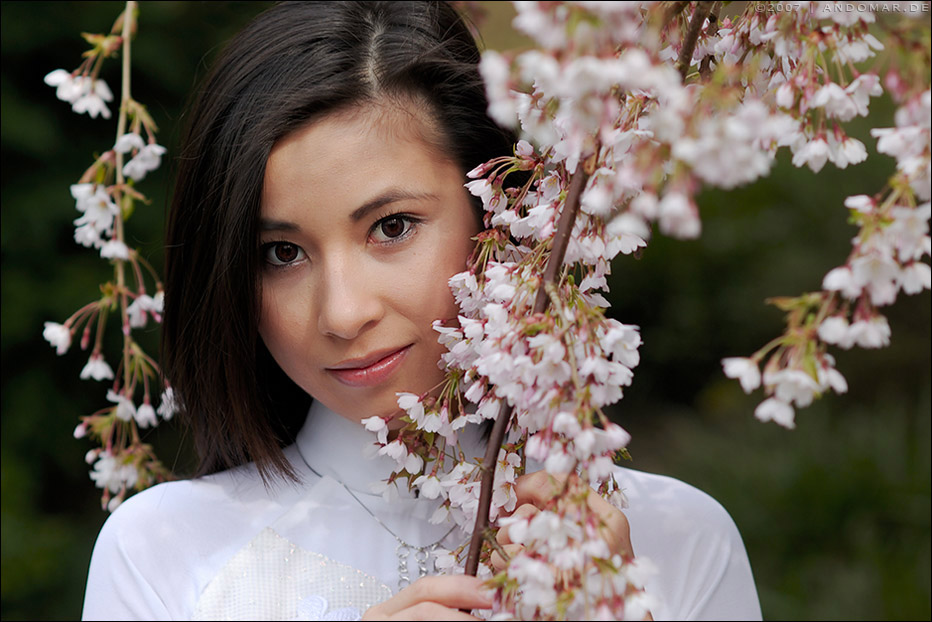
[(393, 195)]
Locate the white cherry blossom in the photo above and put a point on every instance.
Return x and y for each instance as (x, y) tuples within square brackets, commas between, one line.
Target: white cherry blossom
[(792, 386), (836, 330), (168, 404), (836, 101), (831, 378), (814, 154), (915, 277), (842, 280), (97, 368), (67, 88), (873, 332), (776, 410), (125, 408), (58, 336), (377, 425), (93, 97), (145, 415), (129, 142), (745, 370), (145, 161), (112, 474), (141, 308), (114, 249)]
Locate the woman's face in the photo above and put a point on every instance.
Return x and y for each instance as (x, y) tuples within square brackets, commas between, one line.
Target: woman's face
[(362, 224)]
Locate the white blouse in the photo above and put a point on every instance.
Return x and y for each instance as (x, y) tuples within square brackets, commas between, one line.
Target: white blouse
[(225, 547)]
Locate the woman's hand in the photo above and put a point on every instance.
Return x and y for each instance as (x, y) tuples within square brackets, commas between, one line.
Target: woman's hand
[(434, 598), (534, 490)]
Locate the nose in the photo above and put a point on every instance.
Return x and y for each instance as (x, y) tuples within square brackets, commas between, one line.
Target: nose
[(349, 301)]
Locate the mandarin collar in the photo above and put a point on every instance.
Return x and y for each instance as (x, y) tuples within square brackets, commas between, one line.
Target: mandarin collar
[(335, 446)]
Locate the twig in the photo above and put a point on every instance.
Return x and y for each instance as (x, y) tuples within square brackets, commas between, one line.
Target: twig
[(675, 9), (706, 64), (554, 264), (702, 11), (713, 16), (118, 233)]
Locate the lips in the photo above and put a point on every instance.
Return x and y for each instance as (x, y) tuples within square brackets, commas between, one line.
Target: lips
[(370, 370)]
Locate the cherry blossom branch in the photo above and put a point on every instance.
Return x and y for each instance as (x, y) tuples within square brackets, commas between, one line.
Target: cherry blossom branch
[(105, 196), (554, 265), (675, 9), (706, 63), (702, 11), (120, 266)]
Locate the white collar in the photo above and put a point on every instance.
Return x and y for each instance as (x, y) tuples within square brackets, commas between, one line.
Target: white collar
[(336, 449), (335, 446)]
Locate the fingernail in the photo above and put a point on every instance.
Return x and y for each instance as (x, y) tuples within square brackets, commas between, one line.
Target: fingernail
[(488, 595)]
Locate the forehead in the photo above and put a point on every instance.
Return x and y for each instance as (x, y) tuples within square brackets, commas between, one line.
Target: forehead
[(403, 118), (348, 157)]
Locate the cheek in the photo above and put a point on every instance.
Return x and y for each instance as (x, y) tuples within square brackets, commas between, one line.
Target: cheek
[(449, 259), (270, 323), (282, 325)]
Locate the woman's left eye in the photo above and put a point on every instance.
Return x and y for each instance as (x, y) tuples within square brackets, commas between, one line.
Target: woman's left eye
[(393, 228)]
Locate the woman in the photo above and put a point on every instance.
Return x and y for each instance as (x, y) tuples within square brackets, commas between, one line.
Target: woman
[(318, 214)]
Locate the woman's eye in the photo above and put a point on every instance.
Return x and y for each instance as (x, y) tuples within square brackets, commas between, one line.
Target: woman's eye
[(282, 253), (392, 228)]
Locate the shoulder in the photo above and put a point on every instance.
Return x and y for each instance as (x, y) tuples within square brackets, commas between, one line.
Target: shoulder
[(237, 494), (170, 507), (195, 515), (678, 504), (703, 568), (158, 549)]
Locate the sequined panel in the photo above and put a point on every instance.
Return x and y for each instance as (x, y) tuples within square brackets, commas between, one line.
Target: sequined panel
[(272, 579)]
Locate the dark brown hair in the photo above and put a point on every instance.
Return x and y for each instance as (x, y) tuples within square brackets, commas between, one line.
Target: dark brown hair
[(294, 63)]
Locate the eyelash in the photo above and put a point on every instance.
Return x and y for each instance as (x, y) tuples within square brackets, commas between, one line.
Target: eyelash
[(411, 221), (268, 248), (408, 219)]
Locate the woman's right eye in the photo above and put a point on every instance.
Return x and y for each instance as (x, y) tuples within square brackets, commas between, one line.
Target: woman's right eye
[(282, 254)]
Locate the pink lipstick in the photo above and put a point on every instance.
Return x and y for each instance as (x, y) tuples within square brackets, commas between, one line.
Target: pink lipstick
[(371, 370)]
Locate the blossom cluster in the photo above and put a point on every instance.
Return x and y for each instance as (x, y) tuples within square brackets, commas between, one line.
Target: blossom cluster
[(648, 103), (553, 547), (886, 259), (105, 197), (85, 94), (807, 67), (554, 370)]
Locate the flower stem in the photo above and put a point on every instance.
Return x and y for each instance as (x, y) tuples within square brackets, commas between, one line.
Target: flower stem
[(554, 264), (119, 265)]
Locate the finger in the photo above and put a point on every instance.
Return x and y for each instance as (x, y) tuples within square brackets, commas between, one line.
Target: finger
[(525, 512), (431, 611), (538, 488), (498, 562), (452, 591), (616, 524)]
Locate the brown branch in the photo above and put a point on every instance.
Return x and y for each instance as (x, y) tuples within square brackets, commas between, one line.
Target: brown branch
[(705, 67), (675, 8), (702, 11), (561, 241), (713, 17)]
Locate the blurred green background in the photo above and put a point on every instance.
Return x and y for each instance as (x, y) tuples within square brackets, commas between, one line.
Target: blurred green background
[(835, 514)]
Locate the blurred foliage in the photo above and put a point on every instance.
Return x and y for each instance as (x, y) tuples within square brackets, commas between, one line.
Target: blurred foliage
[(835, 515)]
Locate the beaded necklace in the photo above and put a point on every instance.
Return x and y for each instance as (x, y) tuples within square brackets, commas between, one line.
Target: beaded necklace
[(423, 555)]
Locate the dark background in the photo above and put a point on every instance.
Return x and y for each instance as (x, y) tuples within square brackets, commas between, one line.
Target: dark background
[(835, 514)]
